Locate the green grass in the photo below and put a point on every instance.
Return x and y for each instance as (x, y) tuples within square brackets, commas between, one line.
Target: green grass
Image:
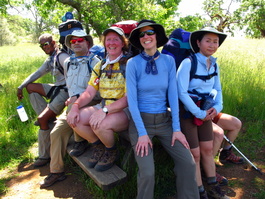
[(16, 137), (242, 75)]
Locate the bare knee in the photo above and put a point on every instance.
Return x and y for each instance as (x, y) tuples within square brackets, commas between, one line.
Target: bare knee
[(196, 155), (237, 123), (30, 88), (207, 151)]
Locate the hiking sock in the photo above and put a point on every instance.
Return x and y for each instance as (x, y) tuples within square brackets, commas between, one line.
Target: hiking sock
[(227, 147), (211, 180), (97, 142), (111, 148), (201, 188)]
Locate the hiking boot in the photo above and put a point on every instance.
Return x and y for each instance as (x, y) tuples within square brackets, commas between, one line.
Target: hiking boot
[(97, 152), (214, 191), (41, 162), (107, 160), (203, 195), (79, 148), (222, 181), (229, 156), (52, 178)]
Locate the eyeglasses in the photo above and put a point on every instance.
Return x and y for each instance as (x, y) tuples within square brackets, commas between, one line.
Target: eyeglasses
[(79, 40), (148, 32), (45, 44)]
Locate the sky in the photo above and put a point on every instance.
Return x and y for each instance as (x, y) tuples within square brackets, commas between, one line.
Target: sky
[(190, 7)]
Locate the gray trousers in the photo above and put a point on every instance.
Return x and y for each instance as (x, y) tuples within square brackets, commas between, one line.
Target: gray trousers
[(160, 125), (44, 142), (39, 104)]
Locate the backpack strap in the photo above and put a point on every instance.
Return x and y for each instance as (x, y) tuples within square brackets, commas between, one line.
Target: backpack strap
[(90, 69), (194, 63), (122, 66), (193, 70), (60, 67)]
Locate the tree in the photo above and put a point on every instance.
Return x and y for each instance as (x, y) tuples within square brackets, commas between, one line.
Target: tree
[(220, 13), (97, 15), (253, 14), (6, 36), (192, 23)]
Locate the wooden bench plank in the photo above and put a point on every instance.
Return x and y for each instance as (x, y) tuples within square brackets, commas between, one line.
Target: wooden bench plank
[(106, 180)]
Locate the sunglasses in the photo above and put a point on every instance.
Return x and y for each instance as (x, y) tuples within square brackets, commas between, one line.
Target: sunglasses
[(45, 44), (148, 32), (79, 40)]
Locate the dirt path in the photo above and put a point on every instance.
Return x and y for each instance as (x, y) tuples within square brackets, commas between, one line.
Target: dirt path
[(26, 183)]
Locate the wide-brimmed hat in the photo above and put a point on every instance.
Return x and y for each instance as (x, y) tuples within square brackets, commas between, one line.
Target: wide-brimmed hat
[(78, 33), (159, 30), (115, 29), (194, 36)]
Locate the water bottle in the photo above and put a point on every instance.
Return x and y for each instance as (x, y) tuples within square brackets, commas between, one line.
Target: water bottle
[(209, 100), (22, 113)]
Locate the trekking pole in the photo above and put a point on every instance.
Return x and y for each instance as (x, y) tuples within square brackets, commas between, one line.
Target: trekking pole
[(257, 169)]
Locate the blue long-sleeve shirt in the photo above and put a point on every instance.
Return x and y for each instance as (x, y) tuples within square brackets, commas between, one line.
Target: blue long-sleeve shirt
[(149, 93), (201, 86)]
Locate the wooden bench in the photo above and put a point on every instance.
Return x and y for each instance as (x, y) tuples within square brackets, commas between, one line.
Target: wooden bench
[(106, 180)]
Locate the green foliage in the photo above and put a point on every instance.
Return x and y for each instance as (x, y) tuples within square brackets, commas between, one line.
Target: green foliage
[(260, 184), (220, 13), (191, 23), (6, 36), (16, 137), (242, 77), (253, 14)]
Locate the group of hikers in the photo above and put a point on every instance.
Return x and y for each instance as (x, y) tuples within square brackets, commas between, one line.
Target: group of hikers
[(142, 95)]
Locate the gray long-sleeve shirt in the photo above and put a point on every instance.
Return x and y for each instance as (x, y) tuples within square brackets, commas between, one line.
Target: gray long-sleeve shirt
[(49, 65)]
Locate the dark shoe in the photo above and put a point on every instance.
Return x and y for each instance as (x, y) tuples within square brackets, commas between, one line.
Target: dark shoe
[(229, 156), (79, 148), (221, 180), (107, 160), (214, 191), (41, 162), (203, 195), (52, 178), (97, 152)]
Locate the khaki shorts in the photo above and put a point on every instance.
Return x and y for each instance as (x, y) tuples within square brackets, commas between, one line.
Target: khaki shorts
[(58, 103), (126, 110)]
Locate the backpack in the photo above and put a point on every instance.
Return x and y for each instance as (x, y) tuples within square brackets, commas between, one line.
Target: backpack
[(97, 50), (179, 48), (127, 26), (67, 28)]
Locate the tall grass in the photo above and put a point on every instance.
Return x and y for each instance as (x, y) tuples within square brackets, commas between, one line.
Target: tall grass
[(242, 64), (16, 137)]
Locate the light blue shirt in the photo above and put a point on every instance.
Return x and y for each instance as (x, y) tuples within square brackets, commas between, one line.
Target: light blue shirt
[(149, 93), (201, 86)]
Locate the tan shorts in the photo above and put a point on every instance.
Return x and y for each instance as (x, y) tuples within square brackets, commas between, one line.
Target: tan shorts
[(126, 110), (58, 103)]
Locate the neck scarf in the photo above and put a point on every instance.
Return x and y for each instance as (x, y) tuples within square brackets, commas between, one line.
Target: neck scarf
[(150, 65), (112, 61)]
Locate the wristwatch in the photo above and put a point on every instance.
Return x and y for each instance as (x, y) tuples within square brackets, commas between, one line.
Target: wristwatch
[(105, 110)]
